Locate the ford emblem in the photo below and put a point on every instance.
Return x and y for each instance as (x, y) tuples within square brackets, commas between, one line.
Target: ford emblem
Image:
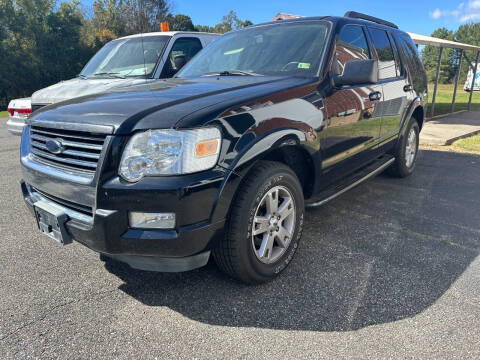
[(54, 146)]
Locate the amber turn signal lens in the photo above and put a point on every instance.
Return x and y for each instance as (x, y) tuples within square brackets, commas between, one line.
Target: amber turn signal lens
[(206, 148)]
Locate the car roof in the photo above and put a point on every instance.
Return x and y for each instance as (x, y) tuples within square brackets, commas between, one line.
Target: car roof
[(335, 19), (167, 33)]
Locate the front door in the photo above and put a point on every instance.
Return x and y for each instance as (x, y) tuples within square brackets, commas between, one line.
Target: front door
[(353, 120), (182, 51)]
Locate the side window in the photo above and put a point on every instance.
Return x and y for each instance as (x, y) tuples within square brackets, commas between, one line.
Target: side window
[(351, 45), (187, 47), (410, 53), (413, 62), (183, 50), (401, 70), (387, 65)]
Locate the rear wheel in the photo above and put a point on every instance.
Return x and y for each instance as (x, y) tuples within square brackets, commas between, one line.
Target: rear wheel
[(265, 225), (406, 152)]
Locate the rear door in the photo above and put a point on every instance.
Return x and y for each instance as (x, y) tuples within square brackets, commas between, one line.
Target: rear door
[(412, 64), (353, 122), (397, 92)]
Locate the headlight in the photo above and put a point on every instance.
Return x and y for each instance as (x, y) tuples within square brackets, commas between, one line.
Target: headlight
[(169, 152)]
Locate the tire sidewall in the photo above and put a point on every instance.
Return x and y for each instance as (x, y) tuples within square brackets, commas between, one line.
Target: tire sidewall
[(261, 271), (404, 168)]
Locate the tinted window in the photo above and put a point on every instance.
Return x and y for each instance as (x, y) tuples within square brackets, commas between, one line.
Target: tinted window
[(410, 53), (412, 61), (351, 45), (387, 67)]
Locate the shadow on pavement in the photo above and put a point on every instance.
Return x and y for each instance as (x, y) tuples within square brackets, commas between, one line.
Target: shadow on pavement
[(385, 251)]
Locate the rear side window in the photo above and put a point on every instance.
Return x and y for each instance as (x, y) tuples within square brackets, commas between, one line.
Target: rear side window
[(409, 50), (412, 61), (351, 45), (387, 65)]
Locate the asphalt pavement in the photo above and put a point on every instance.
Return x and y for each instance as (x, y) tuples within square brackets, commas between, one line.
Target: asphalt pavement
[(388, 270)]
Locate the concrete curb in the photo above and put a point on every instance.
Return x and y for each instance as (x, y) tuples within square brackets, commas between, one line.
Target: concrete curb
[(436, 117), (436, 141), (445, 129)]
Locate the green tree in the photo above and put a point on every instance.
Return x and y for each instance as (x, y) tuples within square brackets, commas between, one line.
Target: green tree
[(448, 63), (115, 18), (109, 15), (146, 15), (231, 22), (40, 44), (205, 28), (468, 34), (180, 22)]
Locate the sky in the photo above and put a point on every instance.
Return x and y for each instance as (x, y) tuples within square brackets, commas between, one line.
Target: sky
[(419, 16)]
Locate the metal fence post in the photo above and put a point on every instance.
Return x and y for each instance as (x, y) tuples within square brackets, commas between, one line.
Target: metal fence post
[(473, 81), (452, 109), (436, 81)]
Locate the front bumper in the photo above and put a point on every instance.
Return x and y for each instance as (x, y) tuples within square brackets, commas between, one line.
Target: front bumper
[(15, 125), (97, 208), (107, 232)]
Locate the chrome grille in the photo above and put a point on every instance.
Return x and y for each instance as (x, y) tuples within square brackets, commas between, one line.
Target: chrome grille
[(80, 150)]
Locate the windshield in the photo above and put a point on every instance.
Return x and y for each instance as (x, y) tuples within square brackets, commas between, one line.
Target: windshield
[(127, 57), (278, 49)]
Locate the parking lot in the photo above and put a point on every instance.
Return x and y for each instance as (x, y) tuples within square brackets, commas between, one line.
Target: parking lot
[(388, 270)]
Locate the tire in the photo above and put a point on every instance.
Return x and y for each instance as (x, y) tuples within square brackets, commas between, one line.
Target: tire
[(257, 258), (406, 152)]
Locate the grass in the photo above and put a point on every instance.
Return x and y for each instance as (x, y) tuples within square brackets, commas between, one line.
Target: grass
[(444, 97), (470, 144), (3, 114)]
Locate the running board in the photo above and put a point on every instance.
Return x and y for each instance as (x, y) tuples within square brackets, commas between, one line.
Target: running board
[(350, 182)]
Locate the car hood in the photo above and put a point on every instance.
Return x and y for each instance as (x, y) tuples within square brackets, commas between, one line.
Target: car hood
[(161, 103), (69, 89)]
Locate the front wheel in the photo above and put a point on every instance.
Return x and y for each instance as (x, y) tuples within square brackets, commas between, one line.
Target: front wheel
[(406, 152), (265, 225)]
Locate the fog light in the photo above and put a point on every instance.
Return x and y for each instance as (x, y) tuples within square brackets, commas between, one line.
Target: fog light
[(142, 220)]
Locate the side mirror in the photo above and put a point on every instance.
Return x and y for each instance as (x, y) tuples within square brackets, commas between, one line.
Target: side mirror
[(179, 61), (358, 72)]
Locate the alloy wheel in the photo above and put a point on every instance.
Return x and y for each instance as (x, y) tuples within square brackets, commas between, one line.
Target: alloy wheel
[(273, 224)]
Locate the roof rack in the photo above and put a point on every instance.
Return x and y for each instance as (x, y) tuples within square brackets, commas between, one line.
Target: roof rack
[(357, 15)]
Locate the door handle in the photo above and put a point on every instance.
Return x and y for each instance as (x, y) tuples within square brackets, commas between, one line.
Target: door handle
[(376, 95), (408, 88)]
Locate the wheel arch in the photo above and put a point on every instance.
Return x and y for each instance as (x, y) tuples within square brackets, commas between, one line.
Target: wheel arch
[(288, 147), (416, 110), (419, 115)]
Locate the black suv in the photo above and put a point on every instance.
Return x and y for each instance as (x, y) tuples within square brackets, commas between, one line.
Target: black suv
[(223, 159)]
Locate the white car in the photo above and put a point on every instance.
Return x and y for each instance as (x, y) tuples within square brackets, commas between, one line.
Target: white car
[(122, 62), (18, 111), (468, 82)]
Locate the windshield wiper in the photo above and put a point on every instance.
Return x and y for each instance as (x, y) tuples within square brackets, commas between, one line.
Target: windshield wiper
[(113, 74), (232, 73), (81, 76)]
